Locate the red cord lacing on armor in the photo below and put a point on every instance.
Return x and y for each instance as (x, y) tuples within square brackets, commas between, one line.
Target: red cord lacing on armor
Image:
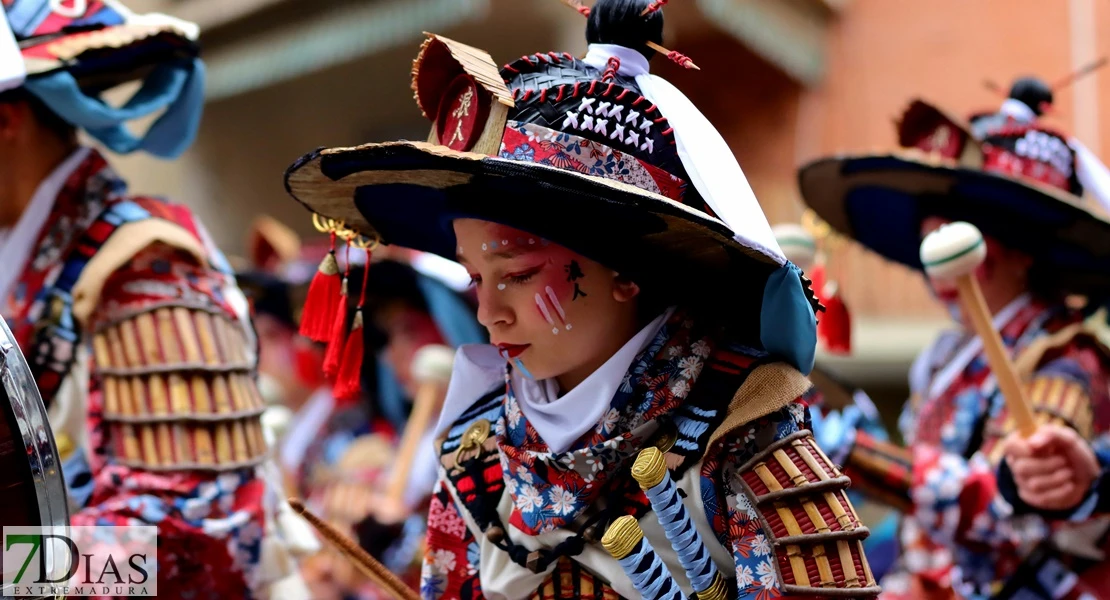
[(611, 67)]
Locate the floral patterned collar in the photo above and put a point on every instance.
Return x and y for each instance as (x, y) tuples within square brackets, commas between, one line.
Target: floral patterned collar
[(551, 489)]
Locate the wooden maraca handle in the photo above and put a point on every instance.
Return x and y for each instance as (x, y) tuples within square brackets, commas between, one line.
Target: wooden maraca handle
[(423, 409), (431, 367), (373, 569), (953, 252), (975, 306)]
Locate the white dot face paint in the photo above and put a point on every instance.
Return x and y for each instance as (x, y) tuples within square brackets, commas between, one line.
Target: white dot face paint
[(542, 304), (504, 242), (485, 247), (501, 286), (531, 241)]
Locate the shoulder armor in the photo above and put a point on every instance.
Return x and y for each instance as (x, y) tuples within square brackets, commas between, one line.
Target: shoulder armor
[(769, 387), (178, 390), (1095, 329), (799, 497), (127, 241)]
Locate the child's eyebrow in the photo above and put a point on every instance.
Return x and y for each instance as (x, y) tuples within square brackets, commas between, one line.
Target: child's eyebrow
[(503, 254)]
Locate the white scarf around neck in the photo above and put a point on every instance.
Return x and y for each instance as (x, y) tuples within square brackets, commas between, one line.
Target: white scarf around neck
[(559, 420)]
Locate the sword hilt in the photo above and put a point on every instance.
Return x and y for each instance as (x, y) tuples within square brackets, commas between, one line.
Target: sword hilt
[(626, 542), (650, 471)]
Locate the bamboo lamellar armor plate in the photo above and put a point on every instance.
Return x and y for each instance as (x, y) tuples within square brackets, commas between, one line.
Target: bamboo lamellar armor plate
[(178, 391), (799, 495)]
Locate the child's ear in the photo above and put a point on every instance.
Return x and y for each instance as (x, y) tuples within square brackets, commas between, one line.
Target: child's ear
[(624, 289)]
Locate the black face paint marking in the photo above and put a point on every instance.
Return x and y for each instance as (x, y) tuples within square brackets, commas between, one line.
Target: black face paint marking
[(574, 273)]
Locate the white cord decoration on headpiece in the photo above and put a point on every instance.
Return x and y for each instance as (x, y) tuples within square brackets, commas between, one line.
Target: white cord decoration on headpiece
[(189, 30), (1091, 172), (705, 155), (72, 12), (12, 69)]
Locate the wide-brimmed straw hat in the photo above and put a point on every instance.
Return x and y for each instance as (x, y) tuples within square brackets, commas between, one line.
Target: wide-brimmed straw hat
[(100, 42), (593, 154), (1016, 181), (68, 52)]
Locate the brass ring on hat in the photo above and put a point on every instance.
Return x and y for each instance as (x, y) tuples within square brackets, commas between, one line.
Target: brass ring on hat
[(363, 242), (322, 223)]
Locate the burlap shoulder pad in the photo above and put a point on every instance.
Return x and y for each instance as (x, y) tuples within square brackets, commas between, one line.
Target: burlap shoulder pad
[(768, 388)]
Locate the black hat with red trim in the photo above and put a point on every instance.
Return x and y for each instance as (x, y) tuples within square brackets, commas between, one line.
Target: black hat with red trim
[(593, 153)]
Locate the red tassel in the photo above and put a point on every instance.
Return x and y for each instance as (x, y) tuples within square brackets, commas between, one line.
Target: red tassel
[(835, 326), (337, 337), (348, 383), (318, 313)]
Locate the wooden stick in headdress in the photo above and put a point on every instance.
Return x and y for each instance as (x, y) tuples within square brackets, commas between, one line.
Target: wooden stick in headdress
[(373, 569), (654, 6), (626, 542), (678, 57), (650, 471), (953, 252), (673, 55), (1080, 73)]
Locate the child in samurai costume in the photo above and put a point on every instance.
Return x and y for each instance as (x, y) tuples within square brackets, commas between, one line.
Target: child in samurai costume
[(1018, 184), (130, 318), (647, 335), (410, 305)]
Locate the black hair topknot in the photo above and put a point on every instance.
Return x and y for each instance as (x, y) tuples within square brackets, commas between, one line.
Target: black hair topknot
[(622, 22), (1032, 92)]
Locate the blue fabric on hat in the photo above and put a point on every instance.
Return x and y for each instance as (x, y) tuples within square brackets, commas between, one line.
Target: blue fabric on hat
[(787, 324), (391, 398), (887, 220), (178, 88), (25, 16)]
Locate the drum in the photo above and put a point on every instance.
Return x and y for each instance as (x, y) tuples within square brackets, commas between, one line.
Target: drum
[(32, 490)]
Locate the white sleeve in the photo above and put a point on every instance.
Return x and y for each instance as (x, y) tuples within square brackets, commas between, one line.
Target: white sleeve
[(425, 470)]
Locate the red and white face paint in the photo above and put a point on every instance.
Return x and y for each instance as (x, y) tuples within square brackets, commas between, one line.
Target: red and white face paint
[(549, 310)]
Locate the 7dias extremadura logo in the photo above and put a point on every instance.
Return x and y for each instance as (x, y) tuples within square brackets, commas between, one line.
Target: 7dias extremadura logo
[(80, 561)]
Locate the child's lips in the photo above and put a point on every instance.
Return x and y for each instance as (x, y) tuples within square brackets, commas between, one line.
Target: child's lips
[(510, 351)]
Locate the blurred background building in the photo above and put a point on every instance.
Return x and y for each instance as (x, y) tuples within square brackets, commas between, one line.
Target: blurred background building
[(784, 80)]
